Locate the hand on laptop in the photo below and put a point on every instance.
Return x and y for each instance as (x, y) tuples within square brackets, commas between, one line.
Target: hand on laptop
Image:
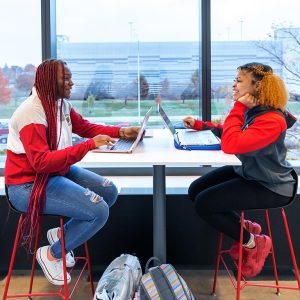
[(129, 133), (102, 140), (189, 122)]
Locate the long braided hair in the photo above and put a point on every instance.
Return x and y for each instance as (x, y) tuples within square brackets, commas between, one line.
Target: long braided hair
[(46, 84)]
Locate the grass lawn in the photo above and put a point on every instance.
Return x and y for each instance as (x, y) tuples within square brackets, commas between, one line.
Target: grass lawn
[(114, 108)]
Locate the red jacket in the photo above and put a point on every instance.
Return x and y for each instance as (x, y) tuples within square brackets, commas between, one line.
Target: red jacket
[(28, 152)]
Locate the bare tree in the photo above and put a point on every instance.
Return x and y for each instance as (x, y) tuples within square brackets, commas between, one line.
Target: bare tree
[(287, 55)]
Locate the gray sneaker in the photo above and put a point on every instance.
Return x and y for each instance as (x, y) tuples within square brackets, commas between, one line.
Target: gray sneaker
[(53, 270), (52, 238)]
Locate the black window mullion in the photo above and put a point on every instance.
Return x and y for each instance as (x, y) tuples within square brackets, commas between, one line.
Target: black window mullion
[(206, 59), (48, 18)]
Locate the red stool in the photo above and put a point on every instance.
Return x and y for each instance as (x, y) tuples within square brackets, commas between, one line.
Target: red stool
[(240, 282), (63, 292)]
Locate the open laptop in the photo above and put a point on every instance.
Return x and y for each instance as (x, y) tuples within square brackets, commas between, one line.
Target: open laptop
[(123, 145), (188, 138)]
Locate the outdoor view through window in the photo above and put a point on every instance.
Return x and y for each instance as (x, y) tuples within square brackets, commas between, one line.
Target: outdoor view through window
[(127, 55)]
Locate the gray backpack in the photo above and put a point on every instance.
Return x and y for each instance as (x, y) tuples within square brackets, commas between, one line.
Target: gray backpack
[(120, 280), (164, 283)]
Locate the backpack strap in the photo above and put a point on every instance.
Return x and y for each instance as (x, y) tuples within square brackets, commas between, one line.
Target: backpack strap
[(150, 288), (174, 281)]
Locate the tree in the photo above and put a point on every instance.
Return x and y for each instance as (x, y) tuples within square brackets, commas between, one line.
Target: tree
[(221, 92), (192, 90), (98, 89), (5, 92), (25, 79), (144, 86), (132, 89), (289, 55), (165, 88), (30, 68)]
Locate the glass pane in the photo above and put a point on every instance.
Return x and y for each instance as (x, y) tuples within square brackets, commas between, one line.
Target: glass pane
[(124, 54), (20, 53), (263, 31)]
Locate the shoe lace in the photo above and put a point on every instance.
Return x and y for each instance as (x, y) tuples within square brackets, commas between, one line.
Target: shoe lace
[(58, 267)]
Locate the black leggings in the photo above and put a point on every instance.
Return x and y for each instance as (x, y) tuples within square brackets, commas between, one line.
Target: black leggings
[(220, 194)]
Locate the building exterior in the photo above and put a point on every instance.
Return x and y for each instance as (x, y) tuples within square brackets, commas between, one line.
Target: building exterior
[(168, 67)]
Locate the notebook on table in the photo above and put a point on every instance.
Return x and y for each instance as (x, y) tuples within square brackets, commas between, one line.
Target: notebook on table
[(189, 139), (123, 145)]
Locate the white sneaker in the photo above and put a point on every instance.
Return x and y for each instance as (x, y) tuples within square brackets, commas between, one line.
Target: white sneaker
[(53, 270), (52, 238)]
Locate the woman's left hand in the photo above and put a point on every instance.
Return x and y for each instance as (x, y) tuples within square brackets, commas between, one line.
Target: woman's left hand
[(129, 133), (249, 100)]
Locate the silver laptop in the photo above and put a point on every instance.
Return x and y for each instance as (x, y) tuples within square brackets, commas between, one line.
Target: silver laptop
[(123, 145), (189, 137)]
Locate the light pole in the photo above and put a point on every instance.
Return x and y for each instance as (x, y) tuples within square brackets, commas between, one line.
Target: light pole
[(138, 83), (241, 29), (130, 29)]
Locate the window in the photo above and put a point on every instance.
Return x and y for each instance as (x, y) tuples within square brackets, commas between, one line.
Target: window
[(247, 32), (20, 53), (124, 54)]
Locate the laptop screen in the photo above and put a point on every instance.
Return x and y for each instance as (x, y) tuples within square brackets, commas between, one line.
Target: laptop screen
[(166, 119), (143, 126)]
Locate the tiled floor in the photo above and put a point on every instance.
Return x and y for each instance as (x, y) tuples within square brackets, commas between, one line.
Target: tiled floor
[(200, 282)]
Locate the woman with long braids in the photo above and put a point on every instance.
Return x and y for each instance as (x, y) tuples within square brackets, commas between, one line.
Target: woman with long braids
[(39, 170), (254, 131)]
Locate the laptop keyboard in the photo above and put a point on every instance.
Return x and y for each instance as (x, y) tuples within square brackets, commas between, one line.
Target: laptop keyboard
[(122, 144), (197, 138), (187, 138)]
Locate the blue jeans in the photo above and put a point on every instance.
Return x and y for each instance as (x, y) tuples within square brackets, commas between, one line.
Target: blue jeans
[(82, 195)]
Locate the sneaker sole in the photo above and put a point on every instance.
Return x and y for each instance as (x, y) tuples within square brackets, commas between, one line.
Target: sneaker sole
[(46, 272), (265, 253), (252, 272)]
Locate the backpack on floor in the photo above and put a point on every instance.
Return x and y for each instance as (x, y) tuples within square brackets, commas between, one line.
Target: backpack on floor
[(120, 280), (164, 283)]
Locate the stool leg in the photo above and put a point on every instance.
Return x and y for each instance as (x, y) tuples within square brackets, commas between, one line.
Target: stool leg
[(288, 236), (87, 254), (37, 234), (12, 260), (272, 251), (63, 251), (239, 274), (213, 292)]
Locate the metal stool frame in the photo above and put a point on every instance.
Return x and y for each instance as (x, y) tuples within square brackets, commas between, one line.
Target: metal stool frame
[(240, 282), (63, 291)]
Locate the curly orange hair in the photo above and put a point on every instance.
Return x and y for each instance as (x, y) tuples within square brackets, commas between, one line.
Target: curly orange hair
[(273, 92)]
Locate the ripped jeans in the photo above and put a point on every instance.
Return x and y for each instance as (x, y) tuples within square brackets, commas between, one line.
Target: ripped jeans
[(82, 195)]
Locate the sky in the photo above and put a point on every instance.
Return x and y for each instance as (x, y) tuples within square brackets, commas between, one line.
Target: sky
[(132, 20)]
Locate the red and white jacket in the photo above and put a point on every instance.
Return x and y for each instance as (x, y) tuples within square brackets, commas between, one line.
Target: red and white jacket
[(28, 152)]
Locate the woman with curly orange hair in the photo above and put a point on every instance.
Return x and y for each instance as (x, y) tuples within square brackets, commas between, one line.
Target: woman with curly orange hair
[(254, 131)]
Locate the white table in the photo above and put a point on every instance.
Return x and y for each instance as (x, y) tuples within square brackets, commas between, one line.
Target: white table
[(159, 152)]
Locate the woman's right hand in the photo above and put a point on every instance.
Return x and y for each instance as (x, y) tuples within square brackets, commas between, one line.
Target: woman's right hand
[(249, 100), (189, 122), (102, 140)]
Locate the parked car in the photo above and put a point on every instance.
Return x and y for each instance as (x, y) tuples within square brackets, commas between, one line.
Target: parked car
[(3, 129), (3, 139), (77, 139)]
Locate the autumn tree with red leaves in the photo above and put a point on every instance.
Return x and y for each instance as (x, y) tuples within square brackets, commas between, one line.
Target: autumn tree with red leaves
[(5, 92), (25, 80)]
